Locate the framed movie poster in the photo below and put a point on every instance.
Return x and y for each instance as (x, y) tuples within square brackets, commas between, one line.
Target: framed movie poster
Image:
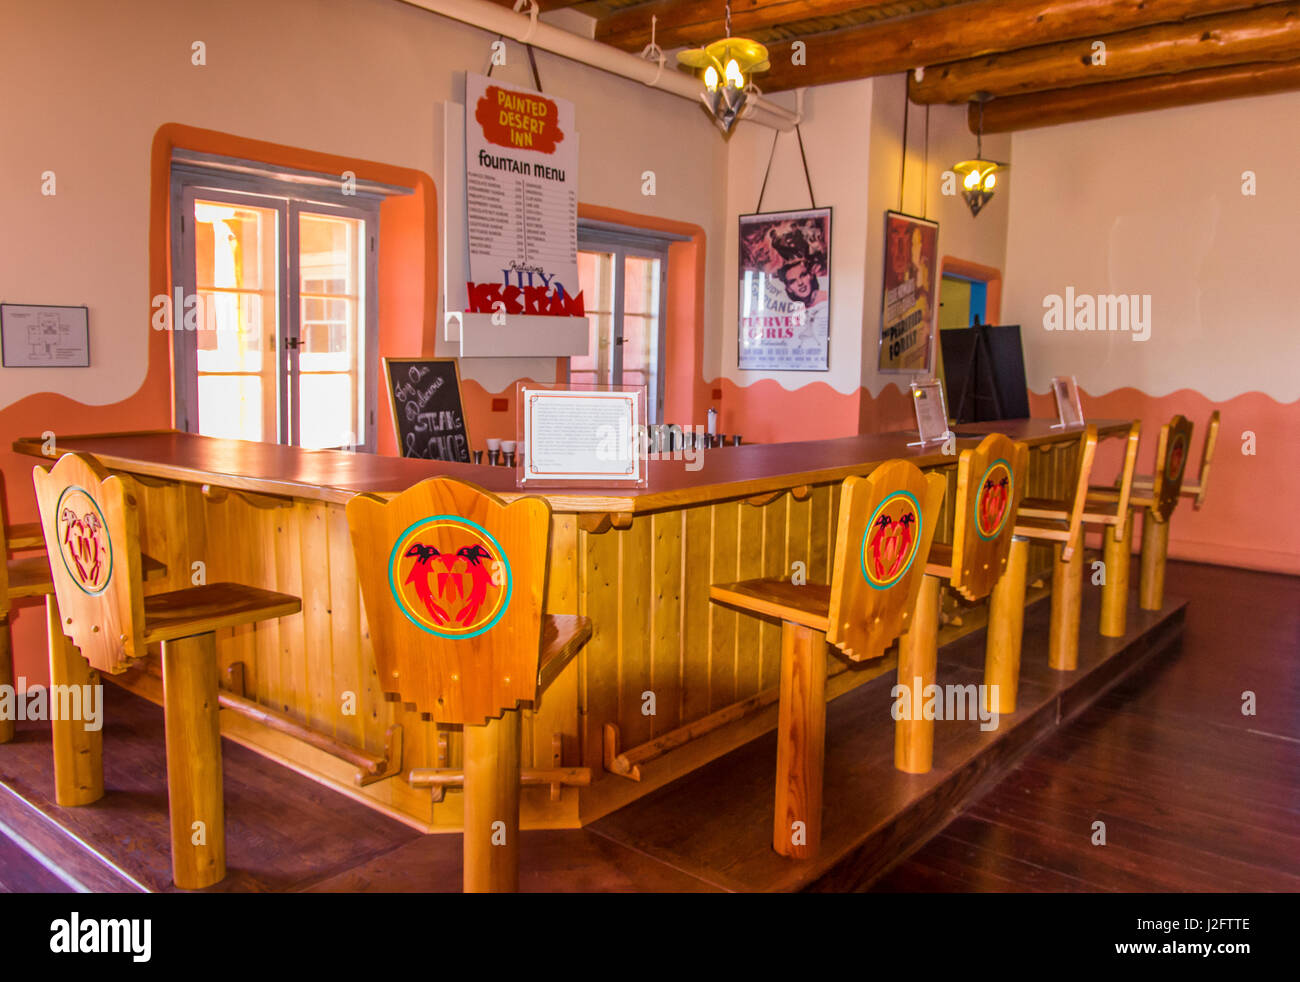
[(911, 293), (785, 291)]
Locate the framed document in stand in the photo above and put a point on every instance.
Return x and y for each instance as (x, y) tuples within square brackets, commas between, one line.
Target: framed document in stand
[(581, 435), (931, 412), (1068, 409)]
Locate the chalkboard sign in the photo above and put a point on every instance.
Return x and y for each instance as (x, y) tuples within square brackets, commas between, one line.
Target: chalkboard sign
[(424, 394), (984, 368)]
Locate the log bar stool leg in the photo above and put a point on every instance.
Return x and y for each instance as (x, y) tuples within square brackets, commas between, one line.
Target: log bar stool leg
[(6, 672), (78, 752), (918, 653), (801, 742), (1067, 588), (194, 761), (492, 805), (1006, 630), (1151, 580), (1116, 555)]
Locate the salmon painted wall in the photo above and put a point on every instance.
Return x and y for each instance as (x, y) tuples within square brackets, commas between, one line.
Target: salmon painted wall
[(1156, 210)]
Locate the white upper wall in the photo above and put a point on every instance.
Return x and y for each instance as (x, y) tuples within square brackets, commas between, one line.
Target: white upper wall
[(1152, 204), (87, 85)]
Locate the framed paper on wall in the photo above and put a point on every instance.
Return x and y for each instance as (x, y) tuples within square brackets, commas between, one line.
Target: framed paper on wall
[(911, 293), (785, 291)]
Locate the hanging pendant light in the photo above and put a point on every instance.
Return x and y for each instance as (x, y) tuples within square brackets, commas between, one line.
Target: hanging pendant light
[(727, 67), (979, 176)]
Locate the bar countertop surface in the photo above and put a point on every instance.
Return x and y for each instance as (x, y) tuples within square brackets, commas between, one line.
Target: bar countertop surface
[(333, 475)]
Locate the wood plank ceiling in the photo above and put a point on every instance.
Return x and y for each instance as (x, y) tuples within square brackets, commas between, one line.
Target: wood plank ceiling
[(1039, 61)]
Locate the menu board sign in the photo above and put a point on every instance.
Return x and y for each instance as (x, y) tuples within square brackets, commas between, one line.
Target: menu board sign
[(428, 414), (521, 198)]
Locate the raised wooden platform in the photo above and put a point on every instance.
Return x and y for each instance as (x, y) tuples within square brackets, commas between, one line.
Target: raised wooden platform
[(706, 831)]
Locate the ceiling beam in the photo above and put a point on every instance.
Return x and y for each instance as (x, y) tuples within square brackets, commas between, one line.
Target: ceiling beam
[(1135, 95), (686, 23), (966, 30), (1265, 34)]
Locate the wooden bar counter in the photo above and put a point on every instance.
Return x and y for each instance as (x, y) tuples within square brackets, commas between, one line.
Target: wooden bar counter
[(668, 681)]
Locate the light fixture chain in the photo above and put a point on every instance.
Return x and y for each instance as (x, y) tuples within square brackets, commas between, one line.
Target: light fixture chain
[(728, 6)]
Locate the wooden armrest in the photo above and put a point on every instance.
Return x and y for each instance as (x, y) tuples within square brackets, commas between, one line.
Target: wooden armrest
[(152, 569), (25, 535), (29, 577), (563, 636), (940, 561), (200, 609), (808, 605)]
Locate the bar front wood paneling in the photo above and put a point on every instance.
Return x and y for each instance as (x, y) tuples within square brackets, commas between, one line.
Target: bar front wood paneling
[(684, 679)]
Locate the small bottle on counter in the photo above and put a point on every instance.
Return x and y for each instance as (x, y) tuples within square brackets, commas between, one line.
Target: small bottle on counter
[(494, 452)]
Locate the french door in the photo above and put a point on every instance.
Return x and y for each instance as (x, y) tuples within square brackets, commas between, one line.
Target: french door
[(624, 284), (276, 341)]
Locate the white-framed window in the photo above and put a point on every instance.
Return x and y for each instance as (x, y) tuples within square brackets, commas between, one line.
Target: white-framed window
[(278, 338), (624, 278)]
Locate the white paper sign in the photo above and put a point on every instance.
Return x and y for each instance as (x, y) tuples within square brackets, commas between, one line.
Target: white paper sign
[(44, 337), (572, 435), (1068, 408), (521, 199), (931, 412)]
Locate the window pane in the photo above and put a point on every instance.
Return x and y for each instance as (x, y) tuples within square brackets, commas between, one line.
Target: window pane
[(329, 413), (595, 274), (641, 327), (234, 245), (639, 334), (641, 294), (230, 406), (331, 356)]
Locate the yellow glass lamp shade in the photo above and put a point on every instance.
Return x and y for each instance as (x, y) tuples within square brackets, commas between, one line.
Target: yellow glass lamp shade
[(978, 181), (726, 67)]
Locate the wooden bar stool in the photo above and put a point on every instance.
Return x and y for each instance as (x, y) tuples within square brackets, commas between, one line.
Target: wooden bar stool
[(1158, 496), (19, 579), (92, 535), (453, 582), (1111, 511), (1145, 487), (990, 484), (882, 541), (1059, 522)]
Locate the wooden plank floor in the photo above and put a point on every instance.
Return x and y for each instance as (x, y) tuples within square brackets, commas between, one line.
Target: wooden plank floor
[(1195, 796), (710, 829)]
